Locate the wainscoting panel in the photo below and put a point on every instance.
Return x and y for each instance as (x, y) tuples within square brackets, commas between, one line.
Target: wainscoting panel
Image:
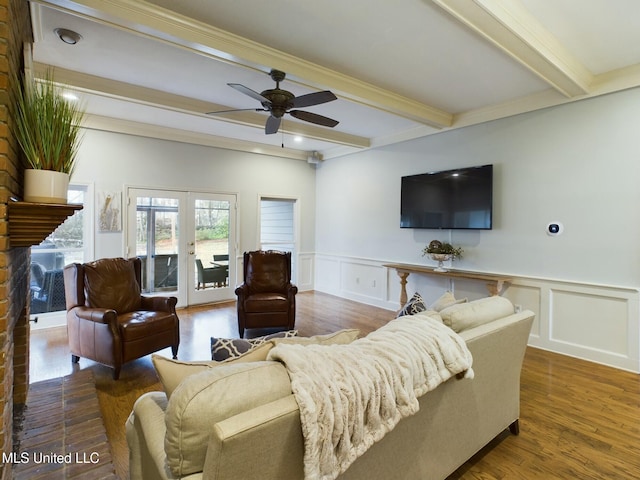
[(328, 275), (363, 281), (527, 297), (599, 323), (306, 274)]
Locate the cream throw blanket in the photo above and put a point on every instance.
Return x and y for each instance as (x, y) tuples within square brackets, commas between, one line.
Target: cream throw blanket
[(351, 395)]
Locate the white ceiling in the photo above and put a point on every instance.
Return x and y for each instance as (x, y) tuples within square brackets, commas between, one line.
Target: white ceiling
[(401, 69)]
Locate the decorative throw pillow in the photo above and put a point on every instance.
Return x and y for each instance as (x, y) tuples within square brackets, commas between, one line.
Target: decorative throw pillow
[(172, 372), (415, 305), (446, 300), (465, 316), (226, 348)]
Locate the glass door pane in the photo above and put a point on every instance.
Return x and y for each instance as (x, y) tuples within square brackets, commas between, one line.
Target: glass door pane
[(211, 247), (156, 236)]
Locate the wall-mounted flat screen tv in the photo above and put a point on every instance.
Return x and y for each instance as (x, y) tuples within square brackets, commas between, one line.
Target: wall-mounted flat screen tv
[(451, 199)]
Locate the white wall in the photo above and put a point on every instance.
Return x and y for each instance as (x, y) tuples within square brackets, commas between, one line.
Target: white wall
[(112, 161), (578, 164)]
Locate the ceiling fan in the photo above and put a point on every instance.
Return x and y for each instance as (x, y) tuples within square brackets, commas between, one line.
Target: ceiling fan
[(279, 102)]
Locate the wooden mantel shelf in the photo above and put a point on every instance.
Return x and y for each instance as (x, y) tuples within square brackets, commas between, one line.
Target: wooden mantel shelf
[(31, 223), (495, 283)]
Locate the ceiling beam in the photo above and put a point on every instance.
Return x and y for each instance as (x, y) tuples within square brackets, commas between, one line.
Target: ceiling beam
[(164, 25), (108, 124), (510, 27)]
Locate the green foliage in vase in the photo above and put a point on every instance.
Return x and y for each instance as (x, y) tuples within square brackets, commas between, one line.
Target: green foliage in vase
[(47, 125), (436, 246)]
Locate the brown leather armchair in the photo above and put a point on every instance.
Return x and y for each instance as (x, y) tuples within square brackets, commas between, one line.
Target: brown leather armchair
[(267, 298), (109, 321)]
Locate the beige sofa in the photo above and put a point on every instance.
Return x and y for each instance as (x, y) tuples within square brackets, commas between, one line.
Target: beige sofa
[(240, 421)]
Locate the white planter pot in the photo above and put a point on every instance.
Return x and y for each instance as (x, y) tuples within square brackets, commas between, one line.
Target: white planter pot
[(45, 186)]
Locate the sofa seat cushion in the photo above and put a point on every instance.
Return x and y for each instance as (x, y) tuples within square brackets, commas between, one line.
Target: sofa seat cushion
[(210, 397), (463, 316), (141, 324), (266, 302)]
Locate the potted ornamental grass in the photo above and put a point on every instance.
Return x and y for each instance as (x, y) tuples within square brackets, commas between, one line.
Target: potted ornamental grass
[(47, 127)]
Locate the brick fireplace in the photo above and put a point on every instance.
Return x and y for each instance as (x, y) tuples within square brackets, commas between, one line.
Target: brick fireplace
[(15, 32)]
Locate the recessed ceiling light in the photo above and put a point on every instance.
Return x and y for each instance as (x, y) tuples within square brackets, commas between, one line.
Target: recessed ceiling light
[(297, 139), (70, 96), (68, 36)]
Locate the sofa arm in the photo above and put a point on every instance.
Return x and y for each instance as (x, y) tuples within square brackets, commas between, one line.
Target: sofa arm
[(98, 315), (145, 429), (161, 304), (264, 442)]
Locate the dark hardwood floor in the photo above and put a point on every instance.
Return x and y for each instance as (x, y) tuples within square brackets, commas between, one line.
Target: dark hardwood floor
[(578, 420)]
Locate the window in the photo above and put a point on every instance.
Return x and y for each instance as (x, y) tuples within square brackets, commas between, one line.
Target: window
[(277, 227), (65, 245)]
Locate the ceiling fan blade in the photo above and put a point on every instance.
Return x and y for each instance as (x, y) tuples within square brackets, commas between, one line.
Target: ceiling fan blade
[(248, 91), (238, 110), (313, 99), (272, 125), (314, 118)]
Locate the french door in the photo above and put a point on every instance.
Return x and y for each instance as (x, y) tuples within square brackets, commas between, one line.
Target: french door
[(170, 230), (211, 254)]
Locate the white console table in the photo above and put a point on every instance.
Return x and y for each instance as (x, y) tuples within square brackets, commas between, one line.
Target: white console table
[(495, 283)]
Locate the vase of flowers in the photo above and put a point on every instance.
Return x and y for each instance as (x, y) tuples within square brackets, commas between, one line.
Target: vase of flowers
[(442, 252)]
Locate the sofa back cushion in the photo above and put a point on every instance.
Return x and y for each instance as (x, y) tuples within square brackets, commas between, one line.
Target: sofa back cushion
[(111, 283), (463, 316), (208, 397)]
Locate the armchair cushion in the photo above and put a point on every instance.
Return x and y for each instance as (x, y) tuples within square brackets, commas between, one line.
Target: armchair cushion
[(138, 325), (111, 284), (266, 273), (266, 302)]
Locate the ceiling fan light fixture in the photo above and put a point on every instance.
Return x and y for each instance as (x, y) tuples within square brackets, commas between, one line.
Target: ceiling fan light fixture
[(68, 36)]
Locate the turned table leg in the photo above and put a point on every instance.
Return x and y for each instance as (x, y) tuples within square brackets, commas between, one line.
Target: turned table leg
[(403, 287), (495, 287)]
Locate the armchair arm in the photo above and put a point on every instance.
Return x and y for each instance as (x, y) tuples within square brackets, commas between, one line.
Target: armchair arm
[(291, 291), (162, 304), (242, 291), (97, 315)]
